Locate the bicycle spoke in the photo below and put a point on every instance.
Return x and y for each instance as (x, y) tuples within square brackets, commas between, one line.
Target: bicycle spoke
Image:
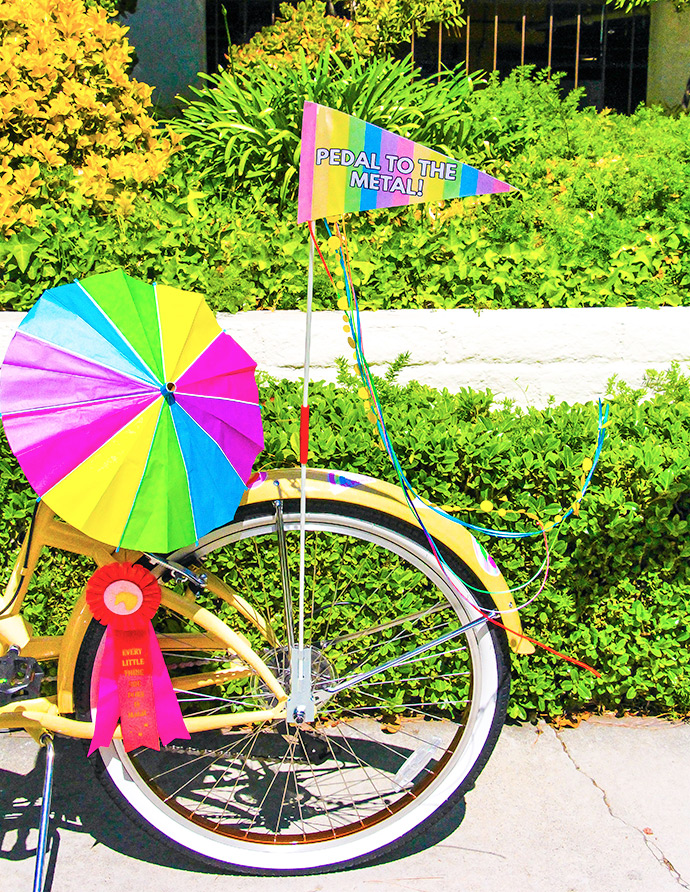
[(428, 715), (382, 627), (198, 696), (291, 768), (386, 746), (174, 793), (343, 778), (339, 592), (333, 781), (327, 812), (270, 786), (241, 772), (400, 637), (368, 684), (346, 747)]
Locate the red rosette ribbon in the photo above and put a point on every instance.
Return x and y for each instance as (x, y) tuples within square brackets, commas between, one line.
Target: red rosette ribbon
[(134, 686)]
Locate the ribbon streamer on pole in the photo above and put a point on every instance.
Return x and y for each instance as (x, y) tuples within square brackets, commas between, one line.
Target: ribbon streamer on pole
[(347, 166), (350, 165)]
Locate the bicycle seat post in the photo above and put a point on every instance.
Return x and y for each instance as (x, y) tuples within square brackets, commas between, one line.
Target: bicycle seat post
[(47, 742)]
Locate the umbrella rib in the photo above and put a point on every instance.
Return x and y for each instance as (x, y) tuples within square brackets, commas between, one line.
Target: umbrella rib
[(155, 393), (160, 332), (186, 473), (146, 328), (236, 430), (143, 474), (88, 359), (117, 331), (239, 370), (210, 396), (196, 358), (168, 372), (213, 440)]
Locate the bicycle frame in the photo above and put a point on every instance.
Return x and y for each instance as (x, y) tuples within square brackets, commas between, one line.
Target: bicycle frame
[(51, 713)]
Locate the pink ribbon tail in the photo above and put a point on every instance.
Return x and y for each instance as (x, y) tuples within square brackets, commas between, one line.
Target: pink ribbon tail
[(108, 702), (169, 719)]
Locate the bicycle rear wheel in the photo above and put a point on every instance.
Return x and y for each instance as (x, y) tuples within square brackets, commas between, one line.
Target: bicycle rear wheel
[(384, 757)]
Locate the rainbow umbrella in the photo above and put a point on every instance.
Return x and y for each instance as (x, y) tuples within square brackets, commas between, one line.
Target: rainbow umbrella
[(132, 414)]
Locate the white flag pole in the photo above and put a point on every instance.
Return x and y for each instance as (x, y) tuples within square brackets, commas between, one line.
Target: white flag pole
[(304, 444), (300, 705)]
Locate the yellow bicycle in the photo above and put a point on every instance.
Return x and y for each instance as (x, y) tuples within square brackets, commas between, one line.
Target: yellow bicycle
[(409, 682)]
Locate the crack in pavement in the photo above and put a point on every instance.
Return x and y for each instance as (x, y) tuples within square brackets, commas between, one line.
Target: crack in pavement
[(652, 846)]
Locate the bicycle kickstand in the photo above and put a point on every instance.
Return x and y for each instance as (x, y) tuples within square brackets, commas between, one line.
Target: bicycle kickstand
[(39, 878)]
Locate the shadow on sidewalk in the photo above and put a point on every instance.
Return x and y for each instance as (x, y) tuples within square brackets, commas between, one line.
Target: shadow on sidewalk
[(81, 805)]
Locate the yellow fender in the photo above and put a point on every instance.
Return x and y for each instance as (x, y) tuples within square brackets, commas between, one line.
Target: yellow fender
[(346, 487), (368, 492)]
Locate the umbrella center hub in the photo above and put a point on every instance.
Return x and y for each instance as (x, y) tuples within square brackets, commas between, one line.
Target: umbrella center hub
[(168, 392)]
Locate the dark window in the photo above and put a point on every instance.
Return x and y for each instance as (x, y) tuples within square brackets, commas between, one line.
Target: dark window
[(244, 19), (597, 47)]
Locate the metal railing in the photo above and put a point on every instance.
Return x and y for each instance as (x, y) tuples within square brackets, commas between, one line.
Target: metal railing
[(576, 41), (591, 42)]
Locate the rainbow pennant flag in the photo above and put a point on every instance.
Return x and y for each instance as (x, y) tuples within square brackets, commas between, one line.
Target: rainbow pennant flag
[(347, 165)]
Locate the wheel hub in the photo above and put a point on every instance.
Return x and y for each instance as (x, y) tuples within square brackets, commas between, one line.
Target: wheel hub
[(279, 660)]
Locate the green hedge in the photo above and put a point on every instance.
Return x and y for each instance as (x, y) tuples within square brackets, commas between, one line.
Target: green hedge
[(601, 219), (617, 596)]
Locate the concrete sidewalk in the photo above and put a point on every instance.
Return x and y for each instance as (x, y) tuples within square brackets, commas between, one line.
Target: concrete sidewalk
[(604, 807)]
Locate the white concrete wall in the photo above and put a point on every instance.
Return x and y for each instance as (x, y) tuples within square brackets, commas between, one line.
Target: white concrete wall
[(526, 355)]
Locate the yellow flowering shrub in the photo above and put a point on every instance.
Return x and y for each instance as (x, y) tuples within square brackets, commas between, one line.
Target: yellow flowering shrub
[(73, 125), (307, 29)]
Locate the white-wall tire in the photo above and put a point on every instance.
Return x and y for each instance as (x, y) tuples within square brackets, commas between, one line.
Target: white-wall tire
[(441, 780)]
